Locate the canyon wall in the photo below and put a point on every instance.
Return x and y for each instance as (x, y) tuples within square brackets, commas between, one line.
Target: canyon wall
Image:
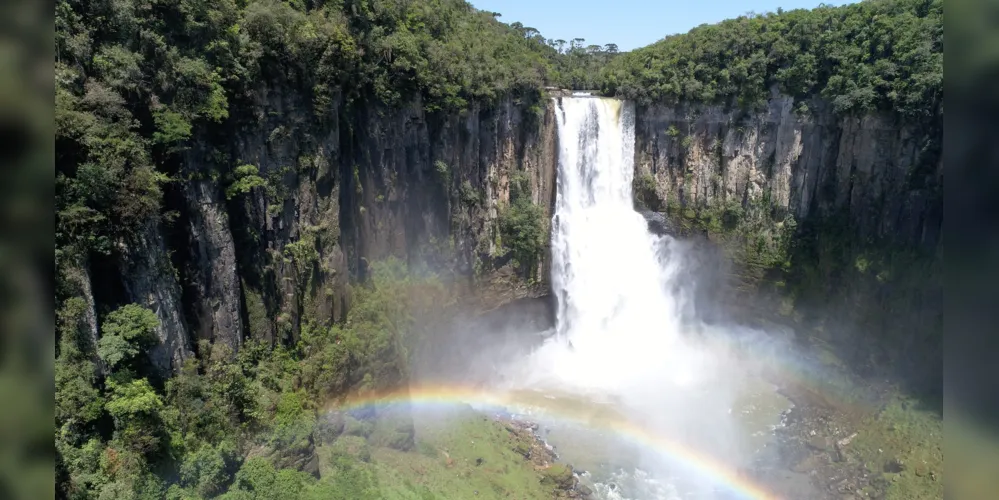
[(839, 217), (334, 194), (834, 221), (882, 174)]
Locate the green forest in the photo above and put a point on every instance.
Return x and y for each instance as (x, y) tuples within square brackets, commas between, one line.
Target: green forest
[(869, 56), (137, 81)]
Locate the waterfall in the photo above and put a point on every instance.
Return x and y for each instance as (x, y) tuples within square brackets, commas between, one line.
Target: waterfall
[(608, 271), (626, 334)]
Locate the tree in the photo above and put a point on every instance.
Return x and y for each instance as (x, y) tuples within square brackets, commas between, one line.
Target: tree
[(521, 225), (135, 407), (77, 401), (245, 178), (862, 57), (127, 331), (205, 470)]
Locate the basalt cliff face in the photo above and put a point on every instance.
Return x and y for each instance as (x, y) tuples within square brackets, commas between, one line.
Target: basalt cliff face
[(882, 174), (836, 219), (363, 184)]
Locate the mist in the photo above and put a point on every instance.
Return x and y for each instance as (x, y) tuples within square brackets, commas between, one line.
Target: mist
[(637, 328)]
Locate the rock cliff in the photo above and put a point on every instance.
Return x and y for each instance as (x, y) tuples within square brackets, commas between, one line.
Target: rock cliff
[(841, 206), (883, 175), (150, 280), (334, 193), (834, 220)]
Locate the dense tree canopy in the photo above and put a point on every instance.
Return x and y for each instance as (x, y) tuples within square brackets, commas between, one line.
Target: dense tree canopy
[(873, 55), (135, 80), (122, 437)]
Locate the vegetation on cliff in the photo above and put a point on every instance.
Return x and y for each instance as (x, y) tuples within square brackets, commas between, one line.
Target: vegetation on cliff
[(874, 55), (522, 227), (131, 435), (135, 81)]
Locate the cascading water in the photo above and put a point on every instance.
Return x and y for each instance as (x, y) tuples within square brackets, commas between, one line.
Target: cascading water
[(606, 271), (618, 316), (623, 327)]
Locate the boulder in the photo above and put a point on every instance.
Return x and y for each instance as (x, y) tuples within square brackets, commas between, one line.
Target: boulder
[(329, 426)]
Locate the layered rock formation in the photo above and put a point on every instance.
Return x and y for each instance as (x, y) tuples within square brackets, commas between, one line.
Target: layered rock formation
[(366, 183)]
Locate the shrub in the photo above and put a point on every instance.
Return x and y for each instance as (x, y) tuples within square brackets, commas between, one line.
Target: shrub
[(206, 470), (443, 172), (645, 191), (245, 178), (469, 196)]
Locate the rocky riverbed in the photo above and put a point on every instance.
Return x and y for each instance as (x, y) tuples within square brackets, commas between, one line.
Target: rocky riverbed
[(881, 446)]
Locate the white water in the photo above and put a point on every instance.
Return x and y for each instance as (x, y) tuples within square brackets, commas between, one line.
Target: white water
[(625, 327), (620, 308)]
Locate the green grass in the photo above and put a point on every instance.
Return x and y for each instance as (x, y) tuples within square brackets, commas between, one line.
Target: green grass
[(899, 430), (902, 431), (461, 455), (886, 427)]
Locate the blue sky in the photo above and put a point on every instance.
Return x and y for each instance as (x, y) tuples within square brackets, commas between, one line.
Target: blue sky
[(628, 23)]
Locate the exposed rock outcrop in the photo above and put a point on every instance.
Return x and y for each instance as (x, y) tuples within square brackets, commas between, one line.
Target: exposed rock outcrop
[(213, 275), (149, 279), (80, 277), (837, 218), (298, 455), (365, 184), (360, 182), (429, 188), (884, 175), (331, 193)]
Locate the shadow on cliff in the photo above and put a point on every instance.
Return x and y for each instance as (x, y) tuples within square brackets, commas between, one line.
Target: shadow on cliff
[(877, 305)]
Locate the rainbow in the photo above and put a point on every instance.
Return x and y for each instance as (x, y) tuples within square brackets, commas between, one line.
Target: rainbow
[(448, 395)]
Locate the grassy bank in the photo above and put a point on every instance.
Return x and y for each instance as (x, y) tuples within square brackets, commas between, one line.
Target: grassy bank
[(458, 454)]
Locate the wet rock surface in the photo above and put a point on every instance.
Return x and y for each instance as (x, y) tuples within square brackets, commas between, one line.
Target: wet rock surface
[(299, 454), (820, 454), (808, 444), (559, 476)]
